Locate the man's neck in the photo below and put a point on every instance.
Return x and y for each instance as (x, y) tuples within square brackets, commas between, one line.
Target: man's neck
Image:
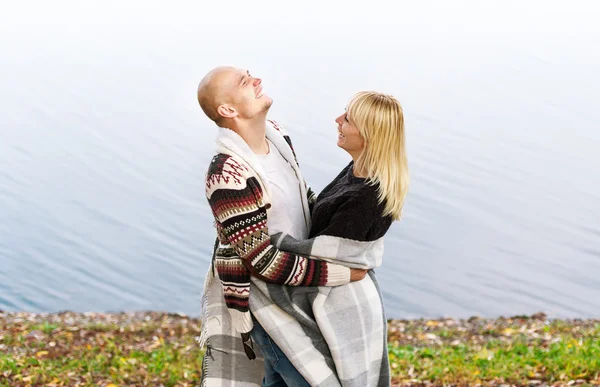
[(254, 134)]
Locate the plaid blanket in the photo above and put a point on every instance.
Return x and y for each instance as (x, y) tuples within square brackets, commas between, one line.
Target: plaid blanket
[(334, 336), (225, 363)]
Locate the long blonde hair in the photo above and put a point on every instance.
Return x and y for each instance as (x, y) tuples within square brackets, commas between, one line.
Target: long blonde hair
[(380, 121)]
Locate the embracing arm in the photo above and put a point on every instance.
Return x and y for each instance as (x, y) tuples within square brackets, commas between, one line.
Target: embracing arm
[(346, 240), (241, 219)]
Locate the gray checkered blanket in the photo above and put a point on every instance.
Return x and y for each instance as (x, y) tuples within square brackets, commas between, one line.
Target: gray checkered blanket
[(334, 336)]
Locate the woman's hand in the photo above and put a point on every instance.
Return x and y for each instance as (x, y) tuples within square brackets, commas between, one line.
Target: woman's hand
[(357, 274)]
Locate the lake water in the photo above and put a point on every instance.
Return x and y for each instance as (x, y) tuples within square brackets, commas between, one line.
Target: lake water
[(103, 148)]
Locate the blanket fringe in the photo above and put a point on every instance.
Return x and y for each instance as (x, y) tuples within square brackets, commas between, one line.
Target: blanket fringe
[(204, 310), (210, 275)]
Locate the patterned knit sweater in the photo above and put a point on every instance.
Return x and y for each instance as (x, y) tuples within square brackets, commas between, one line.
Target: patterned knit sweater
[(240, 202)]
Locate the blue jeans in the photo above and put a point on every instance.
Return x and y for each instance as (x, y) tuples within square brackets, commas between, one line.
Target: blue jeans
[(279, 371)]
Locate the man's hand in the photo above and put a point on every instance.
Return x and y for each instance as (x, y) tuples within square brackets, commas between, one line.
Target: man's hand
[(357, 274)]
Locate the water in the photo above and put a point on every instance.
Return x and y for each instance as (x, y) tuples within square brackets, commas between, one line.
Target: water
[(103, 148)]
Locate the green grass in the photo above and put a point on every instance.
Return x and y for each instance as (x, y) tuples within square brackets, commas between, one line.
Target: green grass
[(117, 350), (516, 362), (110, 363), (160, 349), (46, 327)]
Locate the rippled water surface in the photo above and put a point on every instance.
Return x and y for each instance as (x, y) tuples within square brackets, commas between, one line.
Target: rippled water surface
[(103, 148)]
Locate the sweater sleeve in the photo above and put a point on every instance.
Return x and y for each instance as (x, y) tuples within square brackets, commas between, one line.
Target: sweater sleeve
[(241, 218)]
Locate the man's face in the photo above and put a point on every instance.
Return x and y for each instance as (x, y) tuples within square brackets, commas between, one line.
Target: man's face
[(245, 94)]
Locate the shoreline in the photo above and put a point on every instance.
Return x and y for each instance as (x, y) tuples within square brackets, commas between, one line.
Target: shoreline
[(137, 314), (156, 348)]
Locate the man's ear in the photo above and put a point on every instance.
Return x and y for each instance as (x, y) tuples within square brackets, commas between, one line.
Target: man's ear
[(226, 111)]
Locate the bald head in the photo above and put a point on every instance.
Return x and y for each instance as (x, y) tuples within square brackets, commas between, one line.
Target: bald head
[(213, 90), (230, 95)]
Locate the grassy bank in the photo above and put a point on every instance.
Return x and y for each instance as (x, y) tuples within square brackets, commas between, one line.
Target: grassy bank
[(154, 349)]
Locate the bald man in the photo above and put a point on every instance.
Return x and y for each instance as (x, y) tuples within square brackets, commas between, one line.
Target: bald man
[(230, 95), (234, 99), (255, 189)]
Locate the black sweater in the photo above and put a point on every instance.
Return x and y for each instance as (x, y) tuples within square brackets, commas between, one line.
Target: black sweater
[(348, 208)]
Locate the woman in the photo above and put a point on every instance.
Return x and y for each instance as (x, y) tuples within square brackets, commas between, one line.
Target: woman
[(338, 335)]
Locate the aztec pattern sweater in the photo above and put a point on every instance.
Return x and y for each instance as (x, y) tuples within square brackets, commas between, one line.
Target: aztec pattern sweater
[(240, 202)]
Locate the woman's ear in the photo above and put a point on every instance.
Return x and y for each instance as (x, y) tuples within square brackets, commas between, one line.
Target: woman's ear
[(226, 111)]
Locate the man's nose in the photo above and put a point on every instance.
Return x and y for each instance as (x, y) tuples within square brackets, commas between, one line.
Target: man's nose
[(257, 81)]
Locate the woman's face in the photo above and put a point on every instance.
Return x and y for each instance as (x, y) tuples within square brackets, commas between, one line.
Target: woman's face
[(349, 137)]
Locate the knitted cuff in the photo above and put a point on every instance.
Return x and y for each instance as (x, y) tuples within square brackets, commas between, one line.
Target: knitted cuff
[(337, 275)]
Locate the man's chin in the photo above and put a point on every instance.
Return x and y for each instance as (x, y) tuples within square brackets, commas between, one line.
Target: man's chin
[(268, 103)]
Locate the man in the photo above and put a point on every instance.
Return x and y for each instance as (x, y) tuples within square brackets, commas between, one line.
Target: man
[(254, 188)]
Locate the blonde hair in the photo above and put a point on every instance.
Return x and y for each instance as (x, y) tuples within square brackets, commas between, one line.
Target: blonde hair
[(380, 121)]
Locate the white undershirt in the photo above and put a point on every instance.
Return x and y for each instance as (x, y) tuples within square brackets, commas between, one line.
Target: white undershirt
[(286, 214)]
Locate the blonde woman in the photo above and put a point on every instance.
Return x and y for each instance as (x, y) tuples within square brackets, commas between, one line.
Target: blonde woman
[(337, 336)]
